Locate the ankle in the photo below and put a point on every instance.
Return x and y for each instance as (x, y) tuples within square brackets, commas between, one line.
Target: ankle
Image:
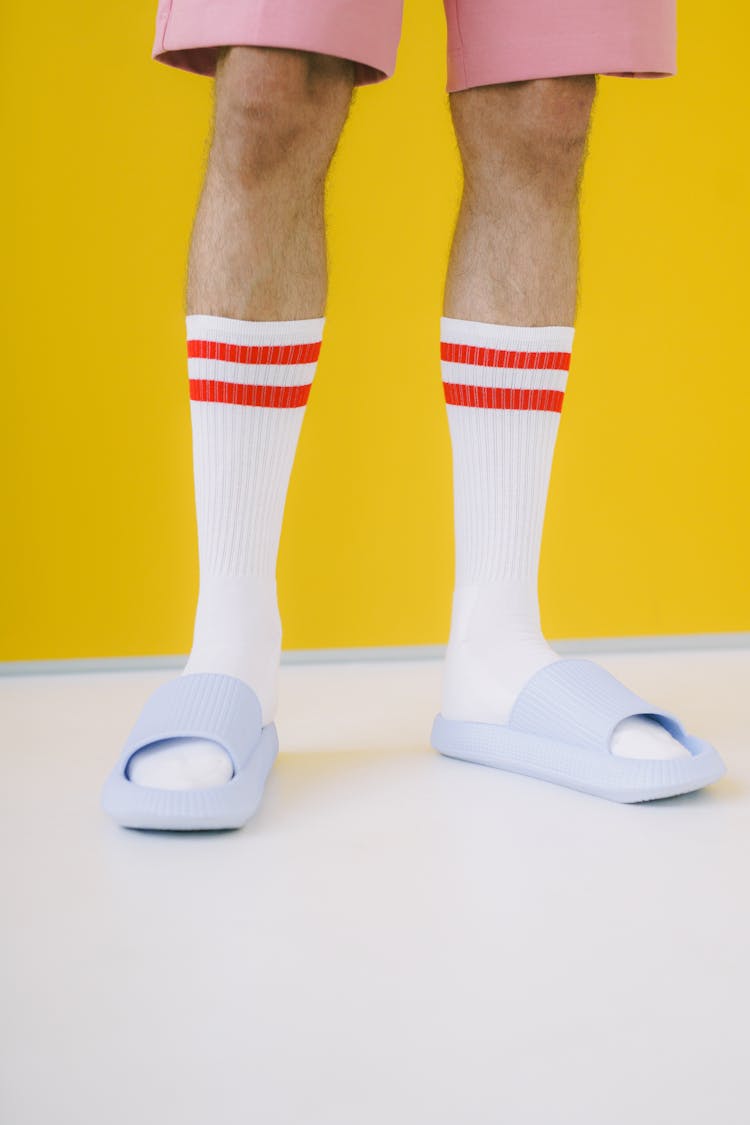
[(504, 612), (495, 646), (238, 633)]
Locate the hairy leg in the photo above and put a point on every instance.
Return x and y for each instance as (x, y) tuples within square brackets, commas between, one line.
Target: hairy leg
[(512, 278), (514, 258), (258, 263), (258, 248)]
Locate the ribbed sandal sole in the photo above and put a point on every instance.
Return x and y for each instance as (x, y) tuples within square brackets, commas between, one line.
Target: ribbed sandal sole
[(560, 731), (205, 705), (626, 780)]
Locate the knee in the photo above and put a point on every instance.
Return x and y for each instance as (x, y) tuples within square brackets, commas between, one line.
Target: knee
[(535, 130), (278, 109)]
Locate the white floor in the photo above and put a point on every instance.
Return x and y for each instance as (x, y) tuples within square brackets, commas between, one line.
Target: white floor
[(395, 938)]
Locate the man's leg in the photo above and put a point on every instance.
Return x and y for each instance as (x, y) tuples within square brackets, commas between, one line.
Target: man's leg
[(258, 248), (256, 298), (510, 304), (514, 258)]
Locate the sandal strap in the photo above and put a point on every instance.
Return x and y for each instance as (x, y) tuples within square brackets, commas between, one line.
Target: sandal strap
[(207, 705), (578, 701)]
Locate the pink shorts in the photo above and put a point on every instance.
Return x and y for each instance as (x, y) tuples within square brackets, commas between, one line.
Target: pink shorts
[(488, 40)]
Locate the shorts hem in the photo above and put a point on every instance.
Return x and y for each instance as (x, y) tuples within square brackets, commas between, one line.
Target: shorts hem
[(510, 64), (183, 41), (203, 60)]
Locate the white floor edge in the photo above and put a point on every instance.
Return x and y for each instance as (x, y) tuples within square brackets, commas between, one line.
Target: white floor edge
[(678, 642)]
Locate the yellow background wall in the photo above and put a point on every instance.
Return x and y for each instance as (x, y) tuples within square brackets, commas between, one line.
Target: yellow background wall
[(647, 529)]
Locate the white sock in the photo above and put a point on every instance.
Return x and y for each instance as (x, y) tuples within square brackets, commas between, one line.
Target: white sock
[(504, 388), (249, 382)]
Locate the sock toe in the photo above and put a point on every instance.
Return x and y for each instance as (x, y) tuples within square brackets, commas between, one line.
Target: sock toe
[(181, 763), (643, 737)]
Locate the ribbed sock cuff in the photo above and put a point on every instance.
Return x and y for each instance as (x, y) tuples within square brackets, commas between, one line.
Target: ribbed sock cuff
[(551, 337), (258, 332)]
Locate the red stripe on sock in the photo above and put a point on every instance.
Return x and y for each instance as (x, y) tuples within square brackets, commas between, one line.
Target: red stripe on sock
[(246, 353), (503, 398), (248, 394), (494, 357)]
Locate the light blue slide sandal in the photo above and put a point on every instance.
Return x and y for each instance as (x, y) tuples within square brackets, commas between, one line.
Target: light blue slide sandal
[(560, 729), (200, 705)]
